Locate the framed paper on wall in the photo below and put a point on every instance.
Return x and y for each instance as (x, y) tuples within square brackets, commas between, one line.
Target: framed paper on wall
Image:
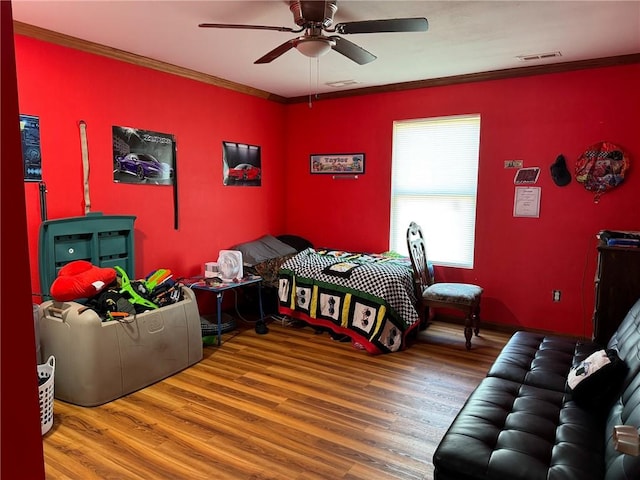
[(527, 202), (337, 163)]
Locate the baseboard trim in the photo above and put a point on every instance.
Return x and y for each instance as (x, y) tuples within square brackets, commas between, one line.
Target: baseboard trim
[(503, 328)]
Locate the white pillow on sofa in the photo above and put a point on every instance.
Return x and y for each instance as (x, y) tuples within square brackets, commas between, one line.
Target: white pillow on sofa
[(589, 366), (597, 378)]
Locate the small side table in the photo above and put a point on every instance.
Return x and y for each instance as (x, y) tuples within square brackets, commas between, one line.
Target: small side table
[(220, 287)]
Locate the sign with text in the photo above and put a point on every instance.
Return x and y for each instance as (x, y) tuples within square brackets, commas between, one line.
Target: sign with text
[(352, 163)]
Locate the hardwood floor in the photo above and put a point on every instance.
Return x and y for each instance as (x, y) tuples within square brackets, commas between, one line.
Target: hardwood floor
[(287, 405)]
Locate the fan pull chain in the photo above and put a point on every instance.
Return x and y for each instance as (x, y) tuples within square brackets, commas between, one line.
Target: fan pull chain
[(310, 80), (313, 87), (317, 75)]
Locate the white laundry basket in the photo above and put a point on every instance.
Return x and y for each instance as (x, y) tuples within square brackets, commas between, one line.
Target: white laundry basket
[(45, 392)]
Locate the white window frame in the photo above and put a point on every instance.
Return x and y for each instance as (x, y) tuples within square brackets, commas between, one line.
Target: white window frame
[(434, 182)]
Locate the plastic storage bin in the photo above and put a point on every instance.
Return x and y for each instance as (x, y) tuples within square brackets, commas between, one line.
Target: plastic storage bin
[(103, 240), (45, 392), (99, 361)]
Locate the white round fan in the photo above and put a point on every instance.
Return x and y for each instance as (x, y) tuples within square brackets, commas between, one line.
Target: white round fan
[(230, 265)]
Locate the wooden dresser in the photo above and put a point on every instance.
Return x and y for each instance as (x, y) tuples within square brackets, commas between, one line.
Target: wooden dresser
[(617, 288)]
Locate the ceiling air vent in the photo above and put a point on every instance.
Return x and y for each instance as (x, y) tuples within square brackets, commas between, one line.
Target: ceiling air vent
[(538, 56), (341, 83)]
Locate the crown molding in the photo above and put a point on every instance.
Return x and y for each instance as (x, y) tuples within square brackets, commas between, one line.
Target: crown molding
[(477, 77), (114, 53)]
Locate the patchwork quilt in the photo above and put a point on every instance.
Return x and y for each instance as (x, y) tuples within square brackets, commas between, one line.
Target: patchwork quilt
[(369, 297)]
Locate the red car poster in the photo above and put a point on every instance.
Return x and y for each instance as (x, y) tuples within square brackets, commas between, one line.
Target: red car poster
[(241, 164)]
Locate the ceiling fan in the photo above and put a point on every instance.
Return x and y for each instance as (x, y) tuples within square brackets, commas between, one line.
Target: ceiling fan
[(314, 17)]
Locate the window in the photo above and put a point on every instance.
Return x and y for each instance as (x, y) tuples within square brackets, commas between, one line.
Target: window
[(434, 179)]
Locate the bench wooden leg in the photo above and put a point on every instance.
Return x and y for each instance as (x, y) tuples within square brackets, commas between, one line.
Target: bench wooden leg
[(476, 321), (467, 336), (468, 322)]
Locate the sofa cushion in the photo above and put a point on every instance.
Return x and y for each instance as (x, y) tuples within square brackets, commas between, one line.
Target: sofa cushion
[(583, 350), (626, 408), (626, 341), (535, 359), (522, 423), (625, 411), (507, 430)]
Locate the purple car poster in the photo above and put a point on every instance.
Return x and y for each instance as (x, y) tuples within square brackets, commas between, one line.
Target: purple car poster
[(241, 165), (143, 157)]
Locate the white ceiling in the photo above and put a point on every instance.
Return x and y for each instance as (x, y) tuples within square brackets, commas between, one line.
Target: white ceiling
[(464, 37)]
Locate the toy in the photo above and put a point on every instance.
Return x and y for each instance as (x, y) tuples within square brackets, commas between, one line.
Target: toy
[(80, 279), (126, 287)]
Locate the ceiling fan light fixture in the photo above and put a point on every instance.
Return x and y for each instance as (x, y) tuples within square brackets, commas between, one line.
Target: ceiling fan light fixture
[(315, 17), (314, 47)]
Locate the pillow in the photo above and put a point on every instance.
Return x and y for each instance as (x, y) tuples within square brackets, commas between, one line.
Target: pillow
[(265, 248), (80, 279), (341, 269), (595, 381), (299, 243)]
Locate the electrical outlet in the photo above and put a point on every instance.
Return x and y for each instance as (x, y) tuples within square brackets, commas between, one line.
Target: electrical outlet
[(556, 295)]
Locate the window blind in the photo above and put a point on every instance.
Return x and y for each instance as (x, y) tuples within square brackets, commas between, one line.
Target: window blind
[(434, 180)]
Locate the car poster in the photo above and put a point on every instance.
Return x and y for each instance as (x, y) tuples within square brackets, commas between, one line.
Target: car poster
[(31, 158), (241, 164), (143, 157)]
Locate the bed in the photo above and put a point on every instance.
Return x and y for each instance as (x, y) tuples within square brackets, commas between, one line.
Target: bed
[(264, 256), (368, 297)]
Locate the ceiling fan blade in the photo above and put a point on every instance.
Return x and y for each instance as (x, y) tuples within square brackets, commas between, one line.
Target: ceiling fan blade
[(352, 51), (249, 27), (276, 52), (376, 26)]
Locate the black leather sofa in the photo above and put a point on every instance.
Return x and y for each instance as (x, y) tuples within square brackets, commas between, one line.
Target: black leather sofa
[(522, 422)]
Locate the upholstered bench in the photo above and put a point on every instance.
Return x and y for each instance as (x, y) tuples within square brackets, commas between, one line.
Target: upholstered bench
[(523, 422)]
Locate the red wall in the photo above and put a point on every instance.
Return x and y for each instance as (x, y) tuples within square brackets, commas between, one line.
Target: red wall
[(518, 261), (63, 86)]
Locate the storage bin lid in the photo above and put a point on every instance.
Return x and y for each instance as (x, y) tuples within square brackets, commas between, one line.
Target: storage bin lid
[(103, 240)]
